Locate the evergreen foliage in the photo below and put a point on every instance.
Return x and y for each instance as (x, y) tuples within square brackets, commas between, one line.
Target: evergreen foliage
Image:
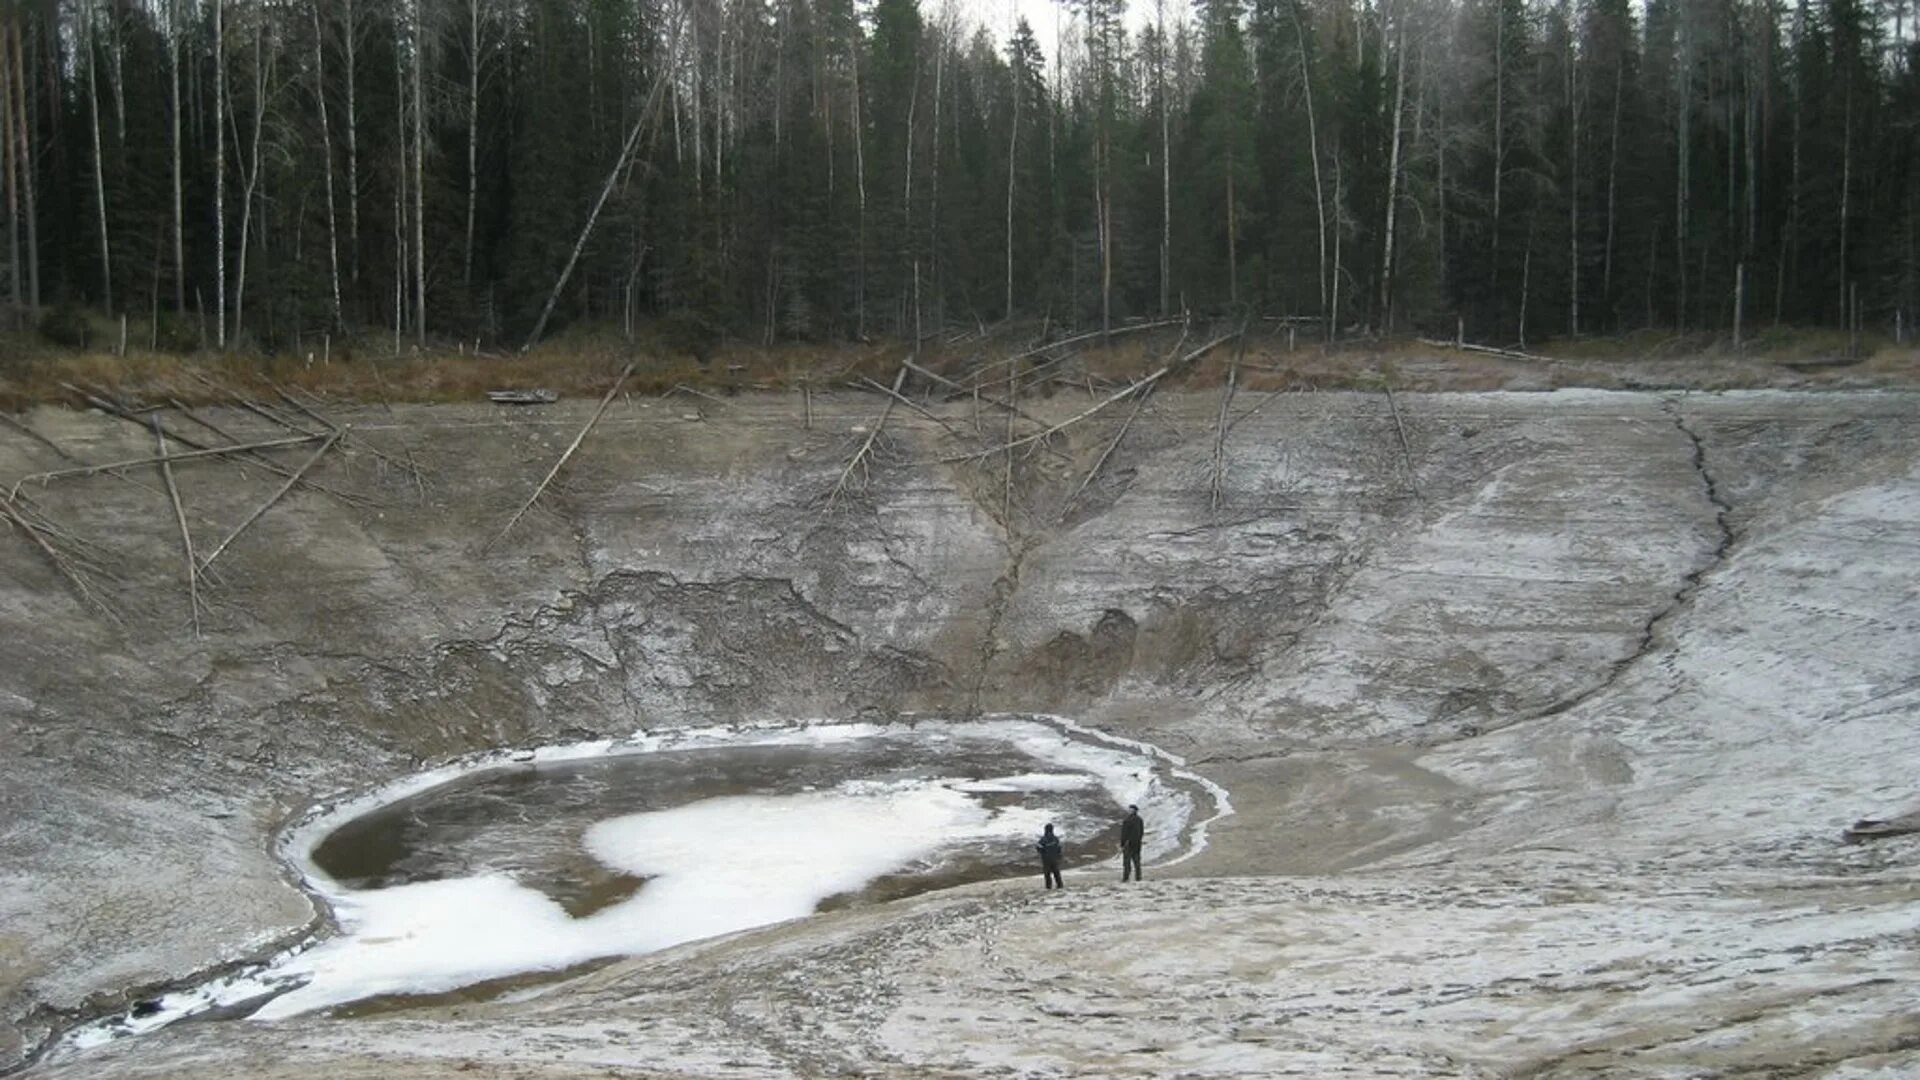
[(820, 169)]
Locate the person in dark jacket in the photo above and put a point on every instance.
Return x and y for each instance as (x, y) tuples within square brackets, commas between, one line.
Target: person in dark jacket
[(1133, 835), (1050, 859)]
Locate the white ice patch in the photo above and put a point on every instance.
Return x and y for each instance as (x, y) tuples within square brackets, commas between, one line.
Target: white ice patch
[(712, 867)]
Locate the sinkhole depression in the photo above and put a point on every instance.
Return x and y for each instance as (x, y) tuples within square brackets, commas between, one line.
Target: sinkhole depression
[(497, 874)]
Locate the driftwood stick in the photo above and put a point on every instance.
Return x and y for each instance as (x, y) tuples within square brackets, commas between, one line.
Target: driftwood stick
[(975, 392), (683, 388), (60, 562), (23, 429), (985, 373), (1220, 438), (1139, 404), (858, 461), (1406, 451), (329, 425), (1119, 395), (266, 463), (289, 485), (191, 455), (1262, 403), (909, 403), (1514, 354), (1091, 334), (180, 516), (564, 457)]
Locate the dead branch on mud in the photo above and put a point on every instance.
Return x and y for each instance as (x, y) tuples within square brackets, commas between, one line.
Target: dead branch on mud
[(1135, 387), (1139, 404), (560, 464), (23, 429), (408, 466), (1406, 451), (180, 516), (870, 384), (1511, 354), (984, 375), (1218, 485), (291, 481), (67, 567), (192, 455), (860, 457), (121, 411)]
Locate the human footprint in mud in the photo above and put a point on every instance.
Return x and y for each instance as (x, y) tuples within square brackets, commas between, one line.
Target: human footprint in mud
[(1133, 836), (1049, 846)]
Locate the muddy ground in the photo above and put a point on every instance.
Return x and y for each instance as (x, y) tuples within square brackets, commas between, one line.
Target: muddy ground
[(1541, 713)]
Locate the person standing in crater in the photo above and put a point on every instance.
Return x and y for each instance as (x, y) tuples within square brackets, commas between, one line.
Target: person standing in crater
[(1049, 846), (1133, 836)]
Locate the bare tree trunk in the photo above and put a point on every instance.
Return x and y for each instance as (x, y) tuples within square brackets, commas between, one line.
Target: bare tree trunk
[(1393, 176), (1013, 146), (92, 46), (1333, 303), (116, 77), (419, 181), (649, 114), (1613, 183), (326, 159), (1846, 197), (934, 266), (402, 206), (351, 41), (1684, 173), (860, 176), (473, 132), (1166, 165), (1499, 135), (1233, 240), (220, 171), (12, 171), (1313, 140), (23, 145), (262, 76), (175, 32), (1573, 184)]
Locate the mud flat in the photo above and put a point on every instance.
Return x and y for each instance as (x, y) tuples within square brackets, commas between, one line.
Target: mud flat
[(1542, 715)]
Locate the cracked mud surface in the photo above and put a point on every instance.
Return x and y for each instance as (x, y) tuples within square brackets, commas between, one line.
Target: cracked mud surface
[(1539, 772)]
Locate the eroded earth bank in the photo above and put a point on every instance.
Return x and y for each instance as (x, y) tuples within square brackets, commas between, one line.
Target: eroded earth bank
[(1541, 715)]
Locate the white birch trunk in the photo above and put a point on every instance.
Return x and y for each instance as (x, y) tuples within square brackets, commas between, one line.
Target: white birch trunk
[(99, 164), (326, 159), (220, 172), (1393, 175)]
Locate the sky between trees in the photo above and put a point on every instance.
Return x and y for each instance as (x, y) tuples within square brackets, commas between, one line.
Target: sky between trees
[(260, 172)]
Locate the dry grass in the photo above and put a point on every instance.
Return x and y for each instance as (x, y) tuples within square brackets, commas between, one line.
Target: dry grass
[(580, 364)]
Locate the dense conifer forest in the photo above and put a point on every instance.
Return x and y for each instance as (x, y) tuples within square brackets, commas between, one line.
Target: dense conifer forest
[(252, 173)]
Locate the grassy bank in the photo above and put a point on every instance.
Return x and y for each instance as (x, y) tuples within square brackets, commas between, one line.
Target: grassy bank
[(583, 363)]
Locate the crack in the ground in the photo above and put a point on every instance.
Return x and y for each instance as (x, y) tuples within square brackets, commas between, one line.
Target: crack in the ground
[(1690, 583)]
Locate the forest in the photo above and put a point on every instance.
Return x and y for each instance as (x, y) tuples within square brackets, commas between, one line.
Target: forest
[(258, 173)]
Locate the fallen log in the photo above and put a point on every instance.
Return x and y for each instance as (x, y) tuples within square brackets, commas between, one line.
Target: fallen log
[(560, 464), (1120, 395), (1465, 346), (271, 499), (36, 437), (180, 517), (1406, 451), (866, 448), (61, 563), (191, 455)]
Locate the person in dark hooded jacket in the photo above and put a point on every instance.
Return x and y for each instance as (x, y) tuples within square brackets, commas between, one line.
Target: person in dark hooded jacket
[(1133, 835), (1049, 846)]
